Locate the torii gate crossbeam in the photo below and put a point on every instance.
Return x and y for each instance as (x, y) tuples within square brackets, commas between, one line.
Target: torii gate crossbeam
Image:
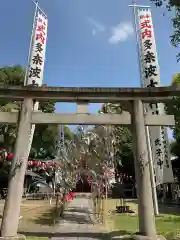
[(87, 119)]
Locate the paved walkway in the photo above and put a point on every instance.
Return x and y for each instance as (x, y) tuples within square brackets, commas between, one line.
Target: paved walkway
[(79, 223)]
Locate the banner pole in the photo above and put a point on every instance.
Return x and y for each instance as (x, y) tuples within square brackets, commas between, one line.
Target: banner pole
[(31, 41), (151, 165)]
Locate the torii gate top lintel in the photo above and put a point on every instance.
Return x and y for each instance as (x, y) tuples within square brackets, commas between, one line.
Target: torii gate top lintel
[(91, 94)]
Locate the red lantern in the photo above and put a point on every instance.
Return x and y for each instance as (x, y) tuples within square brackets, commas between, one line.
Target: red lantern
[(9, 156), (39, 163), (43, 166), (34, 163)]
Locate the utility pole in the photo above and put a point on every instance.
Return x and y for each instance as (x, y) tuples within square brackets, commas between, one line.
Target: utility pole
[(151, 165)]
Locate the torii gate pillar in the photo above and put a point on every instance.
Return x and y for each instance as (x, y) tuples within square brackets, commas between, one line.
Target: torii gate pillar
[(144, 191), (10, 221)]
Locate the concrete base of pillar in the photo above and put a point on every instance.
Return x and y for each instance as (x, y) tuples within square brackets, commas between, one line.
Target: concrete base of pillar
[(137, 237), (141, 237), (18, 237)]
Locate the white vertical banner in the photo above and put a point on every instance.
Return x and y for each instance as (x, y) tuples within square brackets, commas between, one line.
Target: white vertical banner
[(150, 73), (35, 70), (168, 172), (38, 49)]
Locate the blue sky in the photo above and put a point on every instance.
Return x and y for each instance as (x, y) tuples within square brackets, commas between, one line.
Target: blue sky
[(84, 47)]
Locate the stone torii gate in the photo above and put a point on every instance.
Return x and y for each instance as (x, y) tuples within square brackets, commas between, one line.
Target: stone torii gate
[(135, 97)]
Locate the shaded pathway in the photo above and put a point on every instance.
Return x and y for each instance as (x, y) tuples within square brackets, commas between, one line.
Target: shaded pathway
[(78, 223)]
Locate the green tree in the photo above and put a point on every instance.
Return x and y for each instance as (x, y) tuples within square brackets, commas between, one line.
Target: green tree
[(89, 151), (45, 140), (45, 135), (173, 108), (67, 133), (172, 5), (121, 138), (94, 149)]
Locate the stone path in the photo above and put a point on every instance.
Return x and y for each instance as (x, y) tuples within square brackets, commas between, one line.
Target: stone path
[(79, 223)]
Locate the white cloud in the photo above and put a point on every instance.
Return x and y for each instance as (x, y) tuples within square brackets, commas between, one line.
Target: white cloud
[(121, 32), (97, 26), (94, 32)]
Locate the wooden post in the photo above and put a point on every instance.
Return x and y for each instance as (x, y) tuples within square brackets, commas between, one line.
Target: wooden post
[(10, 221)]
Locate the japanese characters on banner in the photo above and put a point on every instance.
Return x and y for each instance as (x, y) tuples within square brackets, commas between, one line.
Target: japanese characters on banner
[(37, 58), (168, 173), (150, 74)]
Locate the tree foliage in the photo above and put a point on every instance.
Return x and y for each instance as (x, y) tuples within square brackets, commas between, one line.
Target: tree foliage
[(45, 135), (175, 6), (104, 146), (173, 108), (91, 152), (122, 137)]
